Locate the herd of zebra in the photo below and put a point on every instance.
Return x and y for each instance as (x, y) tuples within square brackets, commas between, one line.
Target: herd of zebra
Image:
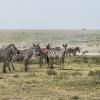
[(11, 53)]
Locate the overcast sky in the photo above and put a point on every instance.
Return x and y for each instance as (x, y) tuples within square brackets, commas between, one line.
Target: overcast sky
[(45, 14)]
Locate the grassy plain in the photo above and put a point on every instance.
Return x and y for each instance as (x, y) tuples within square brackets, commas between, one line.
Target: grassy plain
[(70, 36), (79, 81)]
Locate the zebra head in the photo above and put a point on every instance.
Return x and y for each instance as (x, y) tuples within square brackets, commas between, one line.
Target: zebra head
[(12, 49), (37, 49), (65, 48)]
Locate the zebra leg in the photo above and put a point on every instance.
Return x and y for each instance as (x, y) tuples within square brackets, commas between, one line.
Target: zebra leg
[(12, 65), (60, 64), (51, 63), (4, 67), (40, 61), (26, 65), (9, 67), (63, 60), (47, 59)]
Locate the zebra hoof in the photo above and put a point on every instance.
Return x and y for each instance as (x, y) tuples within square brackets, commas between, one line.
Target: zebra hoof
[(25, 70), (4, 71), (14, 69), (51, 67)]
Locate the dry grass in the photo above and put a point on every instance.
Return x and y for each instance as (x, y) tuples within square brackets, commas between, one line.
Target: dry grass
[(73, 83)]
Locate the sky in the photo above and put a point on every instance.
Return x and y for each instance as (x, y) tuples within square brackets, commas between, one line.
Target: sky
[(49, 14)]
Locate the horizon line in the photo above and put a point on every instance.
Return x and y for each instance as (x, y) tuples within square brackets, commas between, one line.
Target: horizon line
[(49, 28)]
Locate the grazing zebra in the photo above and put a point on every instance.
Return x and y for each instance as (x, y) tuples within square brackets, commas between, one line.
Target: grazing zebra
[(6, 54), (41, 53), (72, 51), (54, 53), (24, 56)]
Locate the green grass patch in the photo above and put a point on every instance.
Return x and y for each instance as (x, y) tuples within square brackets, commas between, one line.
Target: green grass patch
[(51, 72)]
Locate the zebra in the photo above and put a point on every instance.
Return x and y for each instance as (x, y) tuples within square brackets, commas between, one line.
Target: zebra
[(1, 50), (24, 56), (6, 54), (54, 53), (41, 53), (72, 51)]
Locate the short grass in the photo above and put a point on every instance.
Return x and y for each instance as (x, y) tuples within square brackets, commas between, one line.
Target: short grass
[(79, 81)]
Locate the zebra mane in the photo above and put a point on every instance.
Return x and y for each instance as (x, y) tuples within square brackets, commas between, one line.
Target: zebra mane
[(9, 46)]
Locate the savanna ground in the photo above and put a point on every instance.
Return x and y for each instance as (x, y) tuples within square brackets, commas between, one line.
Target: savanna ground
[(80, 79)]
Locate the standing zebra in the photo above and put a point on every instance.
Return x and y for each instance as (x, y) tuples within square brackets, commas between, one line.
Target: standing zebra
[(41, 53), (24, 56), (54, 53), (6, 55), (72, 51)]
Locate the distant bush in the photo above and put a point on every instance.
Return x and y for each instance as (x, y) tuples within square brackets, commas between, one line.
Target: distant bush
[(51, 72)]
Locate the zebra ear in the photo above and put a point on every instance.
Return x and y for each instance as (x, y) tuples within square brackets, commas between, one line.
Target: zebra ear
[(33, 44), (63, 45)]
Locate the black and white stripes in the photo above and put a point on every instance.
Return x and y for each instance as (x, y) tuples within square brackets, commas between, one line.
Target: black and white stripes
[(72, 51), (7, 54), (24, 56), (57, 53), (11, 54)]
